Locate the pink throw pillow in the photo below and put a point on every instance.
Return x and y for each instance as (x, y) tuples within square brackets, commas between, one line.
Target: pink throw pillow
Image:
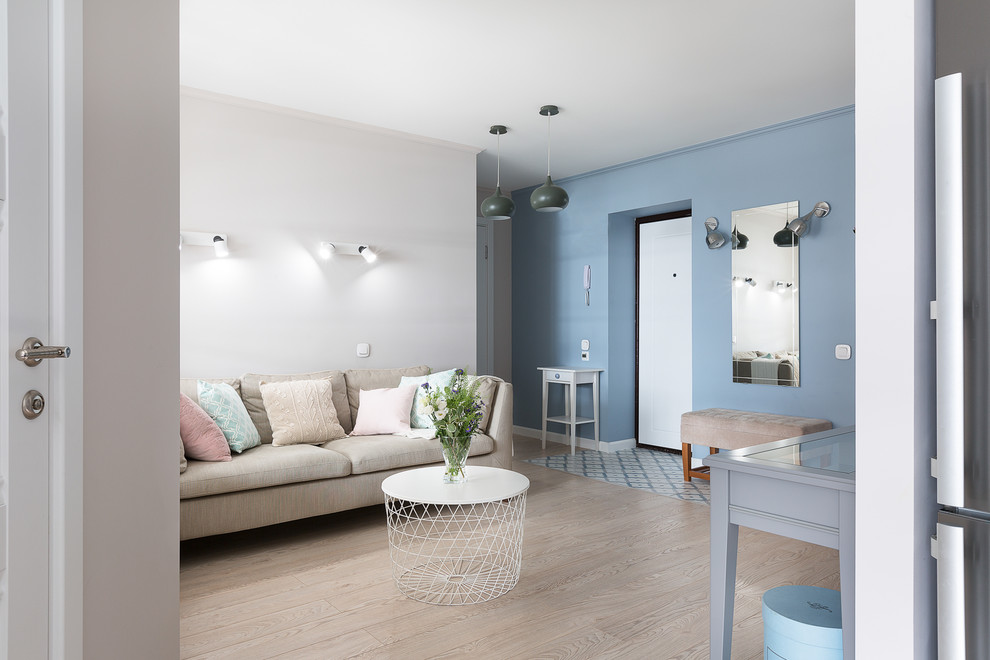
[(201, 437), (385, 411)]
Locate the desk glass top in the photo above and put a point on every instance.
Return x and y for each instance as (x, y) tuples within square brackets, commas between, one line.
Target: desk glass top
[(836, 453)]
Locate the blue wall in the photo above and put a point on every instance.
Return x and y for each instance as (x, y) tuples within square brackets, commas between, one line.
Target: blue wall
[(808, 160)]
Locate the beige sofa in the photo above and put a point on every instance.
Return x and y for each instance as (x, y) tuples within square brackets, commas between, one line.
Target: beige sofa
[(268, 484)]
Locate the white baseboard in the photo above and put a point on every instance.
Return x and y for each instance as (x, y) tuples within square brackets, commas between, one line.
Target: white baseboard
[(617, 445), (583, 443)]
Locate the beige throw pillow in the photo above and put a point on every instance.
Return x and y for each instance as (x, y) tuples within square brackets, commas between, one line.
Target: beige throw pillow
[(301, 412)]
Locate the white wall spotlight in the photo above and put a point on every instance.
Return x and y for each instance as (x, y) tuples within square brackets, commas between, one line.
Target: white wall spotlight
[(327, 249), (205, 239)]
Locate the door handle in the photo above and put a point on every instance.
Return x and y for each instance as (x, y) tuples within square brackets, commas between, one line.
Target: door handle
[(34, 351)]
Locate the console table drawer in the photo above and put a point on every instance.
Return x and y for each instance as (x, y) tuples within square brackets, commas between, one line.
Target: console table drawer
[(559, 376)]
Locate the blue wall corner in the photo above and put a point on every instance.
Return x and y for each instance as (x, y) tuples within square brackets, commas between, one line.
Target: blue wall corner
[(806, 160)]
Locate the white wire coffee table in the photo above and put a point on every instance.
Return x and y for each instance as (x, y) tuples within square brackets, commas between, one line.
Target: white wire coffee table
[(455, 544)]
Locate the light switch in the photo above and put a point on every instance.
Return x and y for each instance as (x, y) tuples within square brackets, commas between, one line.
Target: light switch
[(363, 350), (843, 351), (585, 356), (585, 345)]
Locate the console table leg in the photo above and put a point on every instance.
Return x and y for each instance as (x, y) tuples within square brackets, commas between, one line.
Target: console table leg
[(724, 548), (572, 413), (543, 435)]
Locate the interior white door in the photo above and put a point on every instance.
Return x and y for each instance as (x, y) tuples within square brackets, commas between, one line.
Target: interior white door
[(24, 312), (664, 330)]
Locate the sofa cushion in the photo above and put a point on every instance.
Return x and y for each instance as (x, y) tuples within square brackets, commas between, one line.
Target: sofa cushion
[(301, 412), (418, 419), (188, 386), (261, 467), (251, 393), (202, 439), (373, 453), (486, 390), (224, 405), (384, 411), (183, 464), (374, 379)]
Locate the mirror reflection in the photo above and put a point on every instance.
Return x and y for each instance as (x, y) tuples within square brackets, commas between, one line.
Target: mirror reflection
[(765, 348)]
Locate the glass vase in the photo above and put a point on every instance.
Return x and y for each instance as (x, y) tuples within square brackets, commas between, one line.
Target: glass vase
[(455, 454)]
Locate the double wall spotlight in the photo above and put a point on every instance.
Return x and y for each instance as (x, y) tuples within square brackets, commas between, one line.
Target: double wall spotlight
[(328, 249), (205, 239)]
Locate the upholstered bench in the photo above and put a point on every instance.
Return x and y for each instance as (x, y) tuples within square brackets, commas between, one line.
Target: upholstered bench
[(721, 428)]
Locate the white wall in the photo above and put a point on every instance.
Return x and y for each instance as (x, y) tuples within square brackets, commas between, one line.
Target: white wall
[(278, 182), (130, 313), (895, 496)]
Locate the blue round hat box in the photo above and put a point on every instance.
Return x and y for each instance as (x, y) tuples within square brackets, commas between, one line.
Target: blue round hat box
[(802, 623)]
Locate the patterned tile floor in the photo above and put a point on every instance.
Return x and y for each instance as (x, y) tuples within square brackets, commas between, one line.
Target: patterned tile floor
[(647, 469)]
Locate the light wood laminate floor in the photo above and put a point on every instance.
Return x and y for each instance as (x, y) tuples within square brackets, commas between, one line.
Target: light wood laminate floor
[(607, 572)]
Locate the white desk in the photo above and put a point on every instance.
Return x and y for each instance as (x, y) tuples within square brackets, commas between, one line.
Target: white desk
[(570, 378)]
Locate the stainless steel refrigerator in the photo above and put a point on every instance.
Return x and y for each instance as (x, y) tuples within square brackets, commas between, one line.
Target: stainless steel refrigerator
[(961, 543)]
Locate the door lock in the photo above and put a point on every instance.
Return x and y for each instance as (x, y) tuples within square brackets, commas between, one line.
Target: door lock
[(34, 351), (33, 404)]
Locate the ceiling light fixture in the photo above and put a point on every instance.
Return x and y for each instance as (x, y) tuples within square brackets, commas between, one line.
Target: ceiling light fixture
[(220, 246), (326, 250), (498, 206), (549, 198)]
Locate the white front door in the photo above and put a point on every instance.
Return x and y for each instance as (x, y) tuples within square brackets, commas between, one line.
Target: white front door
[(25, 217), (664, 330)]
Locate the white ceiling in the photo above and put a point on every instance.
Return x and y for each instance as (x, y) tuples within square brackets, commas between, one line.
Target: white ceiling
[(633, 78)]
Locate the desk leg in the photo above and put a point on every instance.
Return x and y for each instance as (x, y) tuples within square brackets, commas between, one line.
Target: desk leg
[(572, 413), (724, 546), (543, 435), (847, 572)]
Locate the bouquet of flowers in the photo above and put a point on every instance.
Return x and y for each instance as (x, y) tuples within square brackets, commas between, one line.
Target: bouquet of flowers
[(456, 411)]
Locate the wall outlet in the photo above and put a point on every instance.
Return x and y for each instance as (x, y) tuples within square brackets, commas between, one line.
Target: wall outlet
[(585, 344), (843, 351), (363, 350), (585, 355)]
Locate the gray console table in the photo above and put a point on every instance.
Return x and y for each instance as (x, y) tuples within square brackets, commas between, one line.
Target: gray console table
[(803, 488)]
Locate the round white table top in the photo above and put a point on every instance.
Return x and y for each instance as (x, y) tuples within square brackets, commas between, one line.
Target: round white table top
[(484, 484)]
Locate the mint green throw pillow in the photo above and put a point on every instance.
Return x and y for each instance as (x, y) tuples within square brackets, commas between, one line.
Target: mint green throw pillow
[(417, 418), (221, 402)]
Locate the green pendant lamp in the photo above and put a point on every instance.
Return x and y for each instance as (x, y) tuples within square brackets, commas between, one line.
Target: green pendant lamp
[(549, 198), (498, 206)]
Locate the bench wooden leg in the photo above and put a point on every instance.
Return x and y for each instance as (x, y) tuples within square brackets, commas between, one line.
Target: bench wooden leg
[(701, 472)]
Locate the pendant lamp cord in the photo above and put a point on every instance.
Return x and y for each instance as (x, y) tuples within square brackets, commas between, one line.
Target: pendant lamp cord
[(498, 160), (548, 144)]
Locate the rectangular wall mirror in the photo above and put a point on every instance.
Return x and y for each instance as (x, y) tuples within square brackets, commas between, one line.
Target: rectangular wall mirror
[(765, 347)]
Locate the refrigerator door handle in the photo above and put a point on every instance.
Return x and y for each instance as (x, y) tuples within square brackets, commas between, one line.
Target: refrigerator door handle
[(949, 288), (951, 592)]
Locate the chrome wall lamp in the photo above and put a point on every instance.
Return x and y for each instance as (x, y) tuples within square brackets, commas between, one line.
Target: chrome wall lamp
[(328, 249), (205, 239), (714, 238), (795, 229)]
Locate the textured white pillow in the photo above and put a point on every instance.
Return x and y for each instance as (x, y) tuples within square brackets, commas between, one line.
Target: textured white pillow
[(301, 412), (384, 411)]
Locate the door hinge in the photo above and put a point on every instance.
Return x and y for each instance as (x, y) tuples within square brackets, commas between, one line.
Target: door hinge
[(486, 252), (934, 467), (934, 546)]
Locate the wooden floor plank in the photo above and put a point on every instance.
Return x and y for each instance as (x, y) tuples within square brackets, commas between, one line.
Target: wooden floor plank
[(608, 572)]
